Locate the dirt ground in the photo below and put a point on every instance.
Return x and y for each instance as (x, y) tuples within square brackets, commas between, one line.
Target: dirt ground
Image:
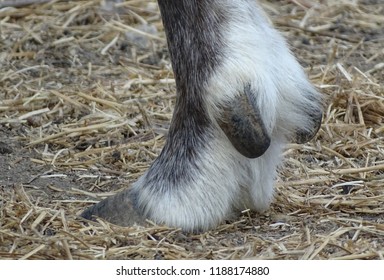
[(86, 97)]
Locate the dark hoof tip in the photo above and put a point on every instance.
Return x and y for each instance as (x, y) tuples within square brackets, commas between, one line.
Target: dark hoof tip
[(117, 209)]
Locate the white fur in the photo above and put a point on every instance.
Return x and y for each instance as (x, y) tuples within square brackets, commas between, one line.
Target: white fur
[(255, 53)]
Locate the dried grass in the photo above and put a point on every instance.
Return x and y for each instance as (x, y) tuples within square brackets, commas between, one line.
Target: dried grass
[(86, 97)]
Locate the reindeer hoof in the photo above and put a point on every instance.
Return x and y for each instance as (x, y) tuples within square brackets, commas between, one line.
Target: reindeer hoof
[(118, 209)]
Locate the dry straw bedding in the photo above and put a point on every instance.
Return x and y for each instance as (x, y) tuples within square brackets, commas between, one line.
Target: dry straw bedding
[(86, 97)]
